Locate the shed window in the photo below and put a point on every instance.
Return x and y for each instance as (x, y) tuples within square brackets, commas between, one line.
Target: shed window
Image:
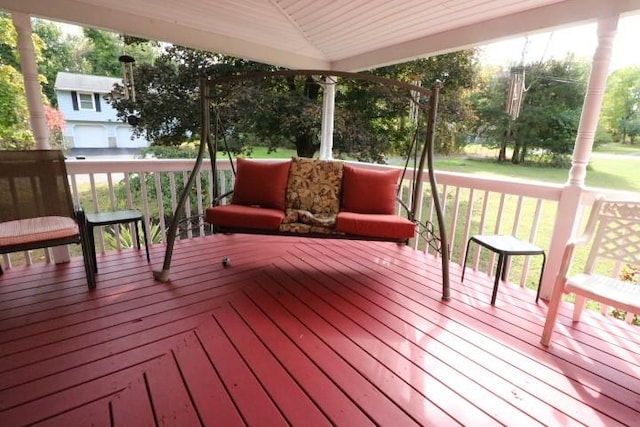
[(86, 101)]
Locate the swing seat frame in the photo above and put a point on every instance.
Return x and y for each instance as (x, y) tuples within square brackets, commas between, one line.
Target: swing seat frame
[(259, 219)]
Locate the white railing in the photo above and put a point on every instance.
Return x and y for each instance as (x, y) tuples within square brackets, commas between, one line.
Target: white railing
[(472, 204)]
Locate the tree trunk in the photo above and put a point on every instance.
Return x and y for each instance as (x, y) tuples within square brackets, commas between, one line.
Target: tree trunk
[(508, 134), (515, 158), (502, 154), (523, 153), (305, 146)]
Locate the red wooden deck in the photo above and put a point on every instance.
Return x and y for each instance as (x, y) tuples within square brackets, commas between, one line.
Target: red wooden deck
[(303, 332)]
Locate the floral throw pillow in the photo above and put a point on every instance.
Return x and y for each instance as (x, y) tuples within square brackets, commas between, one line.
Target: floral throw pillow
[(314, 186)]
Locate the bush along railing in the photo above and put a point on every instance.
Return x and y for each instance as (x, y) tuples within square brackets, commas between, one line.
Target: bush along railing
[(148, 185), (629, 273)]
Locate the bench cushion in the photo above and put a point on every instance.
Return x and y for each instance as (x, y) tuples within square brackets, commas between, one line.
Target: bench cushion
[(29, 230), (261, 184), (314, 186), (375, 225), (369, 191), (240, 216)]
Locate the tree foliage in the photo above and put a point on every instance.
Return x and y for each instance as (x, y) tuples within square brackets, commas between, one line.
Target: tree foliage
[(57, 55), (287, 111), (92, 52), (621, 106), (550, 112), (14, 115), (104, 49)]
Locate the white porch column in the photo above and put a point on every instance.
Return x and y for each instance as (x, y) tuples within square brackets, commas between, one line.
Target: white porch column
[(22, 24), (328, 110), (569, 208), (593, 100)]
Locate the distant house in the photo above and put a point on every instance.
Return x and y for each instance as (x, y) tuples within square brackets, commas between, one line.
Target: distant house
[(91, 121)]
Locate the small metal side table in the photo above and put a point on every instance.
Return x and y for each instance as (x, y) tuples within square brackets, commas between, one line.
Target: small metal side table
[(116, 217), (505, 246)]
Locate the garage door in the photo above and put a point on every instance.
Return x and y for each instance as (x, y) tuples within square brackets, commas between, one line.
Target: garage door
[(123, 135), (90, 136)]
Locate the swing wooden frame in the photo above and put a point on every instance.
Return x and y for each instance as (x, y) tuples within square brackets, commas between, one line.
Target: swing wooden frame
[(437, 240)]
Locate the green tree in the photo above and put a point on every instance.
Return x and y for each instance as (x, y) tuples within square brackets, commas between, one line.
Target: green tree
[(14, 115), (621, 105), (550, 112), (287, 111), (551, 108), (57, 55), (104, 49), (491, 120)]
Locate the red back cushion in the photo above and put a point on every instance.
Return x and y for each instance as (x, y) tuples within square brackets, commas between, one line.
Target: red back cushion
[(261, 183), (369, 191)]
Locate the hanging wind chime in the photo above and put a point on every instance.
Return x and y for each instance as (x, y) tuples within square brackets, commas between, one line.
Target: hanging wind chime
[(516, 92), (126, 61)]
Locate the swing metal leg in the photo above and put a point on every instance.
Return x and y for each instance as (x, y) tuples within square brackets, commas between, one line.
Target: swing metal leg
[(163, 275)]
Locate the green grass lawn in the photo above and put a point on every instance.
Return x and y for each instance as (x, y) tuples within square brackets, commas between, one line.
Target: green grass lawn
[(618, 148), (615, 173), (622, 173), (263, 153)]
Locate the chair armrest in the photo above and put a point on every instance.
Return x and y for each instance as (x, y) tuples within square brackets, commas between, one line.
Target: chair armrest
[(569, 250), (81, 217)]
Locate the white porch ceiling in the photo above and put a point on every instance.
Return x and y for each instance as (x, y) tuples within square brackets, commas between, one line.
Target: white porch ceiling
[(346, 35)]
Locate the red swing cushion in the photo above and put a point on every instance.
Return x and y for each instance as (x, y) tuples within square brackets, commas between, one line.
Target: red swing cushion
[(239, 216), (375, 225), (369, 191), (261, 184)]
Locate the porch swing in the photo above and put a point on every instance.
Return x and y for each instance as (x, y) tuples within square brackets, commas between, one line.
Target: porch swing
[(319, 198)]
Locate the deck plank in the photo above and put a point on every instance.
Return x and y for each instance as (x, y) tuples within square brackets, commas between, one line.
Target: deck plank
[(340, 367), (255, 405), (299, 331), (334, 403), (169, 396), (496, 336), (425, 359), (205, 386), (290, 398), (132, 406), (438, 336), (91, 414)]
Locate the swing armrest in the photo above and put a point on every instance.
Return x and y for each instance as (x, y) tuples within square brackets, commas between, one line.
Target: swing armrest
[(406, 207), (216, 201)]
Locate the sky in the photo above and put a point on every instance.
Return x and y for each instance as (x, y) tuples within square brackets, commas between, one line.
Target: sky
[(581, 40)]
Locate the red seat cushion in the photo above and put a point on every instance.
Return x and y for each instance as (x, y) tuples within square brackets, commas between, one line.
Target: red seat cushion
[(375, 225), (261, 184), (240, 216), (369, 191)]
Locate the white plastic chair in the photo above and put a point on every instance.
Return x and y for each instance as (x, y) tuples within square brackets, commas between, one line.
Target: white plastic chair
[(613, 230)]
